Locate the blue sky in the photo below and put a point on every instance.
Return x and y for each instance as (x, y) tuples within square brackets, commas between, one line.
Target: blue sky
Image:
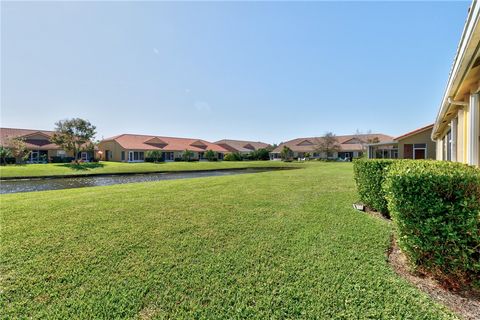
[(261, 71)]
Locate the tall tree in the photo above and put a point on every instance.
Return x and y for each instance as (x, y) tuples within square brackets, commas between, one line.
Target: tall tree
[(18, 148), (73, 134), (286, 153), (328, 144)]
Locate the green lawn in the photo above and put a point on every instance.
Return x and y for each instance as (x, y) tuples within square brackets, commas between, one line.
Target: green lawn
[(272, 245), (60, 169)]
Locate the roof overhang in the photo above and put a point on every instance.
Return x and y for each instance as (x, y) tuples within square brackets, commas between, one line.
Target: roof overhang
[(465, 72), (33, 134), (386, 143), (414, 132)]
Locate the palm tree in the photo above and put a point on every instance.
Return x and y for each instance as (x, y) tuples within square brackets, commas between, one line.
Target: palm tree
[(187, 155)]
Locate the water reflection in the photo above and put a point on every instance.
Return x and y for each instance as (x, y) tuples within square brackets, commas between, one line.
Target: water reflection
[(15, 186)]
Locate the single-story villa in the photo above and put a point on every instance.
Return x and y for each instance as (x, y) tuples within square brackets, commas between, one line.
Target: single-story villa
[(38, 142), (133, 148), (351, 146), (241, 146), (415, 144), (457, 126)]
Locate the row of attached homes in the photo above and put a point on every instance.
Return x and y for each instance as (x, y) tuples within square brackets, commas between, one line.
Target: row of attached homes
[(454, 136), (125, 147), (135, 147)]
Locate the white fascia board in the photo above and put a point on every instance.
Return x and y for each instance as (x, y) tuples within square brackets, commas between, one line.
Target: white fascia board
[(462, 61)]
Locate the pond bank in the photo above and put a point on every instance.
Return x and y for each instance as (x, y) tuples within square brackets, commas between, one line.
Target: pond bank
[(63, 182)]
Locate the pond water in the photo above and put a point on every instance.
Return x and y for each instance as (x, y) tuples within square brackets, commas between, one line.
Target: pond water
[(24, 185)]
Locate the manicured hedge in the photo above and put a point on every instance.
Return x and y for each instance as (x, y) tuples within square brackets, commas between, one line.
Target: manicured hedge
[(234, 156), (369, 177), (435, 208)]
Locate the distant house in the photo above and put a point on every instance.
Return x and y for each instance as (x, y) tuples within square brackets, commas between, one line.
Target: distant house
[(241, 146), (351, 146), (415, 144), (38, 142), (133, 148), (457, 126)]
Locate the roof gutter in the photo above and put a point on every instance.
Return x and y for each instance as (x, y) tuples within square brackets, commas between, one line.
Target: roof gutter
[(457, 103), (459, 67)]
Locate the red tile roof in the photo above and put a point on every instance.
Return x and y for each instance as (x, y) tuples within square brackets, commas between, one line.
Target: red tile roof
[(141, 142), (347, 142), (241, 145), (411, 133), (33, 144)]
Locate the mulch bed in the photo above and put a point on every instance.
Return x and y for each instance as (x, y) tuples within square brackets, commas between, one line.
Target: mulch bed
[(465, 303)]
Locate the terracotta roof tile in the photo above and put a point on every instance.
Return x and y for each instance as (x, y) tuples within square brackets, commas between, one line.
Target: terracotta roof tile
[(241, 145), (411, 133), (140, 142), (347, 142), (37, 144)]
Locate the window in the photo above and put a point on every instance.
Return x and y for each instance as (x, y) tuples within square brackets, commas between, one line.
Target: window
[(135, 156), (169, 156), (123, 155), (84, 156), (61, 153), (34, 156), (419, 151), (448, 138)]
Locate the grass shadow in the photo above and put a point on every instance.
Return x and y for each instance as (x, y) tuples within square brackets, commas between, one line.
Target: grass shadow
[(82, 166)]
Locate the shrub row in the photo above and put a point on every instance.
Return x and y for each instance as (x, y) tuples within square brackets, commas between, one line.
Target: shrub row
[(260, 154), (369, 177), (435, 209), (61, 159)]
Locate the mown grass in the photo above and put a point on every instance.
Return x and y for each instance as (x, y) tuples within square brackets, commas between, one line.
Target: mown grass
[(270, 245), (60, 169)]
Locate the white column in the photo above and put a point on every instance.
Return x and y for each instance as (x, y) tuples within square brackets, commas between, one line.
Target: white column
[(453, 130), (439, 146), (473, 143)]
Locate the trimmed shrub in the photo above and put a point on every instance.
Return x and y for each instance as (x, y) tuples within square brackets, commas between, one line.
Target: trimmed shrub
[(234, 156), (260, 154), (154, 156), (369, 176), (435, 207), (210, 155), (56, 159)]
